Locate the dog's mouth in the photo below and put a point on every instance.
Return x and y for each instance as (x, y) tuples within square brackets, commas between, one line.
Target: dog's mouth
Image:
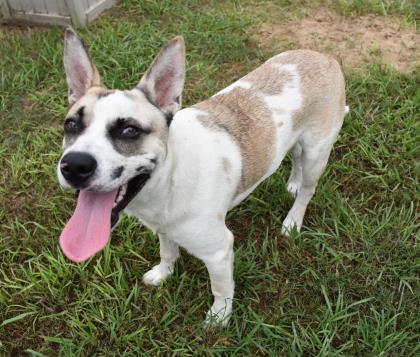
[(125, 195), (88, 230)]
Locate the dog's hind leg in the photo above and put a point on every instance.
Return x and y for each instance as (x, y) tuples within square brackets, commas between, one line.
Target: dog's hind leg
[(295, 179), (314, 157), (169, 252), (313, 164)]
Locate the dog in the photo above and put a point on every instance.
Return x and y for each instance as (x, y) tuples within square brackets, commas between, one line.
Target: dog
[(179, 171)]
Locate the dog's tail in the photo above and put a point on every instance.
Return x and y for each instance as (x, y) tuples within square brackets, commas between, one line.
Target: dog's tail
[(346, 109)]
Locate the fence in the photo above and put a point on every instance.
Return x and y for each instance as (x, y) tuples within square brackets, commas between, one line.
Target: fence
[(54, 12)]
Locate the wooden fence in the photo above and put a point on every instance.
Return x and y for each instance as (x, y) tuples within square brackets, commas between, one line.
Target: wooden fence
[(54, 12)]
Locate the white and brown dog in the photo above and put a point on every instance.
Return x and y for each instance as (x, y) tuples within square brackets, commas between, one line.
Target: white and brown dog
[(180, 171)]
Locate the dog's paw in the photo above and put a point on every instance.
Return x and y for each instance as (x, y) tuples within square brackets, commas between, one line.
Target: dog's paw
[(289, 225), (293, 188), (218, 317), (156, 275)]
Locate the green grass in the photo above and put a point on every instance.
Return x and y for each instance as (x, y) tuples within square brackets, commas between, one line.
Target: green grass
[(407, 8), (347, 285)]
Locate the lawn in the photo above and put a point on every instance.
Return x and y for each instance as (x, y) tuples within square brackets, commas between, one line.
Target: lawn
[(347, 285)]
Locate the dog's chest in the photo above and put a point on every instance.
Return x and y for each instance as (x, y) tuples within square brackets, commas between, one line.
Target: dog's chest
[(159, 205), (150, 206)]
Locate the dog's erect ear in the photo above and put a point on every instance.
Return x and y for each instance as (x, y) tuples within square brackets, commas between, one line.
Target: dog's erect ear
[(164, 80), (81, 73)]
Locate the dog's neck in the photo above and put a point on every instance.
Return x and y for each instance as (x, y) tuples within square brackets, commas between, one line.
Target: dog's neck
[(152, 201), (177, 188)]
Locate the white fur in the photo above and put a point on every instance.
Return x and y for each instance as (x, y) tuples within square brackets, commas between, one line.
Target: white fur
[(195, 182), (185, 203), (187, 198), (239, 84), (290, 98), (95, 142)]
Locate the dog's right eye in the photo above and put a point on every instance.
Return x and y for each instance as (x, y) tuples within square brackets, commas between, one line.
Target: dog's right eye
[(71, 126), (130, 132)]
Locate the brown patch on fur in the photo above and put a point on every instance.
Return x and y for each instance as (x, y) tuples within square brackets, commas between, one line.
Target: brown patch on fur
[(226, 165), (226, 168), (134, 94), (105, 93), (87, 102), (100, 91), (268, 80), (316, 73), (321, 85), (246, 118), (96, 79)]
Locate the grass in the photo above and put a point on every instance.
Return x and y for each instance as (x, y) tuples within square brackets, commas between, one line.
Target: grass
[(347, 285)]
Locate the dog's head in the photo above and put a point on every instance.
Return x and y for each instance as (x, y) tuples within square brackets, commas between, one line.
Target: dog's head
[(113, 139)]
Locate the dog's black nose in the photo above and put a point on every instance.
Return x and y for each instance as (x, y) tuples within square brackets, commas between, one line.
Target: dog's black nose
[(78, 167)]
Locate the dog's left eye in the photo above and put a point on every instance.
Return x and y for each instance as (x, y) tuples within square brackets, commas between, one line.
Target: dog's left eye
[(71, 126), (130, 132)]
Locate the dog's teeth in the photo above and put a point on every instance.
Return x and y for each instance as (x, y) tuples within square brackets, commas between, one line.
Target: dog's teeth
[(120, 196)]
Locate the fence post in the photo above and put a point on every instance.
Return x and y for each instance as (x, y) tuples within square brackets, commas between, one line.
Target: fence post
[(77, 12), (4, 9)]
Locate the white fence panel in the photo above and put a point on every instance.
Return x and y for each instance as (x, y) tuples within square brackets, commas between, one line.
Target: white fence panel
[(55, 12)]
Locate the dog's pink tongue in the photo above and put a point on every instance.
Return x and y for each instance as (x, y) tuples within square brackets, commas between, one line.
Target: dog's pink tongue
[(88, 230)]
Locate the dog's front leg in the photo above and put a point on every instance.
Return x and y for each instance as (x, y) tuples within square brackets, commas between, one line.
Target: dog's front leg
[(169, 252), (220, 267)]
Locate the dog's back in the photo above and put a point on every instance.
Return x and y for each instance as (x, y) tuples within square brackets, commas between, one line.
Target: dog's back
[(296, 97)]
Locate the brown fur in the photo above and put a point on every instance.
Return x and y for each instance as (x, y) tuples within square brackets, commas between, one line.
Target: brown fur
[(319, 74), (244, 115), (100, 91), (226, 165), (226, 168), (268, 80), (96, 79), (246, 118), (88, 101)]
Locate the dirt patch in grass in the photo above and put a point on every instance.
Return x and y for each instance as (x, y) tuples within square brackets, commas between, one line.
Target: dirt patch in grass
[(352, 40), (13, 28)]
